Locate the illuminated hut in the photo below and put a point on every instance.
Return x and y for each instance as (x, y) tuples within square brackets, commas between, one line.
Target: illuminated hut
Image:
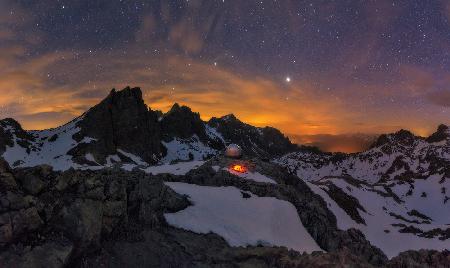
[(233, 151)]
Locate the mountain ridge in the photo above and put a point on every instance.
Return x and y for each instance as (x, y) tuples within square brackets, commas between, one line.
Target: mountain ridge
[(162, 177), (397, 188), (123, 129), (122, 124)]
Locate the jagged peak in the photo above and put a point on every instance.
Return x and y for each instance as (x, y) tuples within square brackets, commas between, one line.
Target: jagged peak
[(127, 92), (14, 127), (442, 133), (229, 117), (180, 121), (10, 122), (124, 99), (176, 107), (402, 136), (443, 128)]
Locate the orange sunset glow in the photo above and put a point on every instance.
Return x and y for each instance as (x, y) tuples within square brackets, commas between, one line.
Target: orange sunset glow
[(324, 105)]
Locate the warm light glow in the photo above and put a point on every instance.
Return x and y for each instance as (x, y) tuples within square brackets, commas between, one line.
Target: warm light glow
[(239, 168), (301, 89)]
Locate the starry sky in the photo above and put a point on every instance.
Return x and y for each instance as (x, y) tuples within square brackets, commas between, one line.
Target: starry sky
[(329, 73)]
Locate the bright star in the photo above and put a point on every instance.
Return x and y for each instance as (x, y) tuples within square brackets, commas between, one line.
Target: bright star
[(288, 79)]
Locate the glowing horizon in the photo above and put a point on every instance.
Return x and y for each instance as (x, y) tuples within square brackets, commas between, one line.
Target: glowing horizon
[(311, 75)]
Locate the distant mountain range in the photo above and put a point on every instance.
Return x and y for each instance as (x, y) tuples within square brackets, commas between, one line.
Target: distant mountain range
[(396, 192), (346, 143), (123, 185), (122, 129)]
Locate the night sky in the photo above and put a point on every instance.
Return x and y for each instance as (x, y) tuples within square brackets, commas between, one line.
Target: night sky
[(324, 72)]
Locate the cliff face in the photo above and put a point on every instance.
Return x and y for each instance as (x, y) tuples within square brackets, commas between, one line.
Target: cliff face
[(264, 142), (61, 218), (121, 129), (69, 201), (181, 122), (121, 121), (114, 218)]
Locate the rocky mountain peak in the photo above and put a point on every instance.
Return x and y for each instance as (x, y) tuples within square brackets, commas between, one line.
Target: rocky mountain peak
[(402, 137), (11, 123), (120, 121), (230, 120), (183, 123), (230, 117), (8, 127), (176, 107), (126, 93), (442, 133), (264, 142)]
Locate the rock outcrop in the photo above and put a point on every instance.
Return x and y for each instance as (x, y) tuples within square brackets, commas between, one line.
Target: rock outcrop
[(442, 133), (121, 121), (114, 218), (313, 212), (181, 122), (264, 142), (10, 127), (421, 259), (74, 212), (122, 129)]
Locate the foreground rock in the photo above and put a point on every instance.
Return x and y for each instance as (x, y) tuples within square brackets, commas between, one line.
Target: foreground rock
[(76, 210), (114, 218), (121, 121)]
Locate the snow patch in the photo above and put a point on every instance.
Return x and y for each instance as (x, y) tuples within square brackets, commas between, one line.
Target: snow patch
[(51, 153), (241, 221), (378, 229), (186, 149), (180, 168), (136, 159)]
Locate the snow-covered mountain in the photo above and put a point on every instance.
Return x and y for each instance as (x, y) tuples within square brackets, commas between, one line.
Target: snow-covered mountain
[(147, 183), (122, 130), (396, 193)]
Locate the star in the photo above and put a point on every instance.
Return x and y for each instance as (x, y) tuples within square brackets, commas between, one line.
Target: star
[(288, 79)]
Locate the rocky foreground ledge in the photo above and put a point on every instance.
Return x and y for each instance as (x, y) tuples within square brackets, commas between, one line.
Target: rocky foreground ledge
[(114, 218)]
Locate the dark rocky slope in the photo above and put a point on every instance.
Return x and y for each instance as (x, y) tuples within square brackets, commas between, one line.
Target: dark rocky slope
[(264, 142), (120, 121), (121, 127), (114, 218), (181, 122)]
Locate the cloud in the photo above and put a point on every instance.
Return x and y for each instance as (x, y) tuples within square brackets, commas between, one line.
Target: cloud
[(78, 82), (185, 36), (75, 82), (416, 81), (441, 98), (49, 89), (446, 8)]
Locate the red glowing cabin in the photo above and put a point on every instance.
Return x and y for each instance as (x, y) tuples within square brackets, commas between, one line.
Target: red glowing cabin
[(239, 168)]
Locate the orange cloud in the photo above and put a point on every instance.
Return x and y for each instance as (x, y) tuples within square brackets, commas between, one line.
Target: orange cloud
[(298, 107), (209, 89), (51, 89)]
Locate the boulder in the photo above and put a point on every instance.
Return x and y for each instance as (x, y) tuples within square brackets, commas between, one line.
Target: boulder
[(81, 221), (53, 254)]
